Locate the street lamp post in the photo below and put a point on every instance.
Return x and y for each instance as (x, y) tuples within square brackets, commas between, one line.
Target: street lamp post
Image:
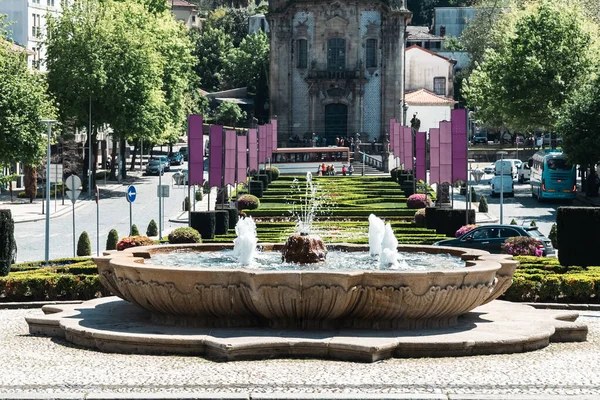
[(502, 153), (49, 122)]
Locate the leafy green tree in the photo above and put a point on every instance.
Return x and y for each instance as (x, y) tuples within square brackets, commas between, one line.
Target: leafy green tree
[(452, 43), (211, 47), (233, 21), (244, 65), (229, 112), (24, 101), (521, 84)]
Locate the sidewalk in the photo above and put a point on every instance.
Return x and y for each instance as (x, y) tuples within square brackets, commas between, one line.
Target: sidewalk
[(202, 205), (24, 211)]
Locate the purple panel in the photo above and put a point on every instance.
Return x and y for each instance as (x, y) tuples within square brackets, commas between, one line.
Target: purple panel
[(262, 144), (269, 129), (445, 151), (391, 131), (421, 156), (253, 149), (242, 158), (459, 145), (407, 148), (230, 156), (274, 134), (397, 140), (434, 155), (196, 150), (215, 168)]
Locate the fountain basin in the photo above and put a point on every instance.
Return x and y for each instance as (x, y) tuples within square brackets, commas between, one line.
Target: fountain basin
[(305, 299)]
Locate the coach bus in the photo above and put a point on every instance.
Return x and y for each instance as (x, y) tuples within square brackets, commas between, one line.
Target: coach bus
[(552, 176), (299, 160)]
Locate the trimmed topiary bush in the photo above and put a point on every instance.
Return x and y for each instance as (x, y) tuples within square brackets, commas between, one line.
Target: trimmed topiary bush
[(513, 222), (84, 248), (199, 195), (420, 217), (8, 245), (186, 204), (221, 222), (255, 188), (553, 236), (268, 173), (111, 241), (184, 235), (264, 178), (533, 223), (204, 222), (579, 235), (152, 229), (418, 201), (274, 172), (248, 202), (134, 230), (430, 217), (448, 220), (134, 241), (483, 204), (473, 194), (233, 217)]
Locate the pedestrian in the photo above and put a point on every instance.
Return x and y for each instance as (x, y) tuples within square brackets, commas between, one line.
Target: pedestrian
[(350, 170), (344, 170)]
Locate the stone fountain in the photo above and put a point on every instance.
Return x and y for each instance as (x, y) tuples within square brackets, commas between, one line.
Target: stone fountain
[(387, 310)]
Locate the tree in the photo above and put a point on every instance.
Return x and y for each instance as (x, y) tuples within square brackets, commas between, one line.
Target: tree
[(521, 84), (112, 239), (84, 248), (229, 112), (579, 125), (243, 66), (233, 21), (8, 245), (24, 101), (211, 48)]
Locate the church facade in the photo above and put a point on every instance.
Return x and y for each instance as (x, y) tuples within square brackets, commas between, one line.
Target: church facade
[(336, 67)]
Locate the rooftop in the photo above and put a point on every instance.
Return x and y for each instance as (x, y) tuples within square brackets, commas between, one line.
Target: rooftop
[(420, 33), (424, 97)]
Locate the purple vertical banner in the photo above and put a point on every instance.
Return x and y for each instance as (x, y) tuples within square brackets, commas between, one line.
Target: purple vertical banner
[(421, 171), (459, 144), (392, 137), (242, 158), (434, 155), (230, 156), (215, 168), (397, 141), (274, 134), (407, 148), (253, 149), (262, 144), (445, 151), (269, 129), (196, 150)]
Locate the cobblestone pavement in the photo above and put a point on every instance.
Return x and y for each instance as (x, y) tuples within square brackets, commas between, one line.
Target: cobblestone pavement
[(43, 365)]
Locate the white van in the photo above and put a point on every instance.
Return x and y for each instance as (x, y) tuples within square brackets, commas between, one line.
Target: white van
[(506, 182), (524, 172), (509, 167)]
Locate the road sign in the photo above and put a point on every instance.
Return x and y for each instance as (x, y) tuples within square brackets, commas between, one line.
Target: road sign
[(131, 194), (162, 190), (73, 182), (56, 173), (73, 195)]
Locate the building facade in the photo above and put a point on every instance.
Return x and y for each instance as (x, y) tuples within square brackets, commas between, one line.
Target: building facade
[(428, 70), (186, 13), (336, 68), (28, 25)]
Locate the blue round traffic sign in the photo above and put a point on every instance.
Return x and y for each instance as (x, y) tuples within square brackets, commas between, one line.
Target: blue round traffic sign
[(131, 194)]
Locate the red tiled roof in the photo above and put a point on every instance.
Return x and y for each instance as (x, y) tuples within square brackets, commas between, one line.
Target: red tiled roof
[(415, 47), (181, 3), (425, 97)]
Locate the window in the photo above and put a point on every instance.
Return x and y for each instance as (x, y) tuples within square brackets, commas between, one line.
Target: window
[(508, 232), (36, 28), (302, 53), (371, 53), (336, 55), (51, 3), (439, 86)]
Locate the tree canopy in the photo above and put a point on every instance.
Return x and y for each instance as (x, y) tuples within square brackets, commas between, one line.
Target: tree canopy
[(24, 101), (522, 83)]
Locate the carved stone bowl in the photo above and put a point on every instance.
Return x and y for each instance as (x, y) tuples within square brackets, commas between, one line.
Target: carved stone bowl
[(304, 299)]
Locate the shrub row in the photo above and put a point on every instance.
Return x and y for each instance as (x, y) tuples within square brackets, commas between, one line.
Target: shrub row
[(37, 287)]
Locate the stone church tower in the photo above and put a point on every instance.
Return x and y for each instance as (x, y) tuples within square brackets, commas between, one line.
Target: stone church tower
[(336, 66)]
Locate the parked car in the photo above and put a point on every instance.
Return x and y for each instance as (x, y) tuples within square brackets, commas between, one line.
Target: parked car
[(155, 167), (164, 160), (480, 139), (502, 184), (175, 158), (491, 237), (524, 172), (489, 169), (184, 152)]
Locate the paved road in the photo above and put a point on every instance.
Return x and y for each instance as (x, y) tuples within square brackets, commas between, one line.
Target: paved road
[(114, 214)]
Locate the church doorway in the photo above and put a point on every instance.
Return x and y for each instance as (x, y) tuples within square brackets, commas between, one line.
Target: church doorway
[(336, 122)]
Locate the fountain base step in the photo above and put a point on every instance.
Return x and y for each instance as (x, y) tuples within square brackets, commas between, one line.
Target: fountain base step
[(113, 325)]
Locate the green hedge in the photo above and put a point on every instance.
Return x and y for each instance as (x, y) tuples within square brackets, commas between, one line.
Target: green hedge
[(50, 286), (578, 235)]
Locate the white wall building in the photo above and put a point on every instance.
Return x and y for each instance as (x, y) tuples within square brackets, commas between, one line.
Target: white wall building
[(431, 109), (186, 13), (428, 70), (28, 25)]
